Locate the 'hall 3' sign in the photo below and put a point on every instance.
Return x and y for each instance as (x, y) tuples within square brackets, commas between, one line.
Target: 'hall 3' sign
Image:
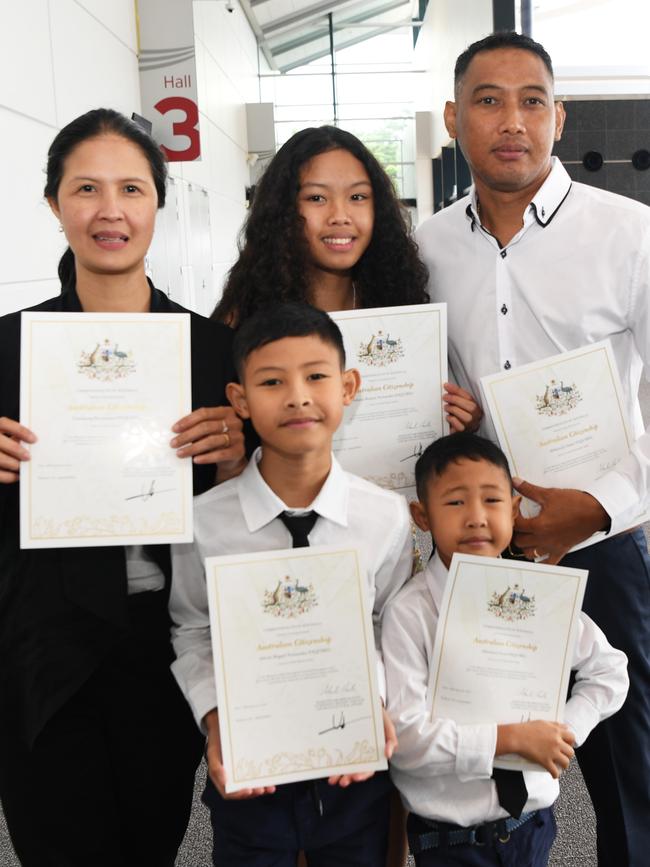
[(168, 76)]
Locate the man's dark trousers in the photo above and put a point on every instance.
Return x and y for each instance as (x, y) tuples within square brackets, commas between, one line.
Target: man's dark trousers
[(615, 759)]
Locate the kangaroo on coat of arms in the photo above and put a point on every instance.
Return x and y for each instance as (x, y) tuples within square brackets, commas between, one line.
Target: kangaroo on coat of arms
[(512, 604), (558, 399), (106, 362), (380, 350), (289, 598)]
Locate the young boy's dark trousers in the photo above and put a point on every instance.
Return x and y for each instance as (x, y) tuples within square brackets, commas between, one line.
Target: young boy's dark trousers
[(526, 846), (270, 831)]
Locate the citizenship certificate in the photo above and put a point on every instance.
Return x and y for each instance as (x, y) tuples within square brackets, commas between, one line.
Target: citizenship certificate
[(295, 666), (504, 643), (401, 353), (101, 392), (561, 421)]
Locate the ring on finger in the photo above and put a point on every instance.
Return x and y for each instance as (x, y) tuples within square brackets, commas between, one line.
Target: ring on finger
[(225, 428), (536, 554), (226, 439)]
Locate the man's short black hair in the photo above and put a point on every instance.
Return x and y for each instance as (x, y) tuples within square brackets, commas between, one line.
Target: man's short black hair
[(277, 321), (503, 39), (454, 447)]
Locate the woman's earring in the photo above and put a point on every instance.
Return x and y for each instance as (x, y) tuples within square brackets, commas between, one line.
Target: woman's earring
[(60, 227)]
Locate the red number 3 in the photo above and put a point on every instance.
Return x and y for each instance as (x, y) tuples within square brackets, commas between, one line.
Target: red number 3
[(182, 127)]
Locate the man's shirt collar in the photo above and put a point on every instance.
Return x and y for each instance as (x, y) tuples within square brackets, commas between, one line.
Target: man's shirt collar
[(545, 203), (260, 505)]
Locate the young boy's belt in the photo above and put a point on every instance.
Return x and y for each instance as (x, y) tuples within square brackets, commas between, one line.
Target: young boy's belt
[(444, 834)]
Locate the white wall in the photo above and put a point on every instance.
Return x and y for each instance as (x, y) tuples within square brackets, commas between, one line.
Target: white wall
[(449, 27), (59, 58), (227, 76)]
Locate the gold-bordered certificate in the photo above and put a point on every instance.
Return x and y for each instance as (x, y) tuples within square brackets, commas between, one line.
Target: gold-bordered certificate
[(561, 421), (504, 643), (101, 392), (295, 666), (401, 353)]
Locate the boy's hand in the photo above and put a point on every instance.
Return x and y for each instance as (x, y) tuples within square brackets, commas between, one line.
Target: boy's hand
[(211, 435), (12, 434), (462, 411), (216, 769), (390, 737), (549, 744)]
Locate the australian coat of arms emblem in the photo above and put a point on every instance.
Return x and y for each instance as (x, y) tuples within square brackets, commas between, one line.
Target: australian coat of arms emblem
[(381, 350), (512, 604), (289, 598), (558, 398), (106, 362)]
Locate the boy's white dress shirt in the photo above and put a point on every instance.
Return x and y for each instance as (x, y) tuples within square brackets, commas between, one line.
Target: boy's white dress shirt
[(443, 769), (241, 515)]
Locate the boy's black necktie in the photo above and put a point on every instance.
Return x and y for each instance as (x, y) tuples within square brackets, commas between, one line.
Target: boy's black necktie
[(511, 790), (300, 526)]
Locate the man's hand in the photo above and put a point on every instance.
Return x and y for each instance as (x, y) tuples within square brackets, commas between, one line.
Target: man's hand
[(567, 517), (462, 411), (211, 435), (390, 737), (549, 744), (12, 434), (215, 763)]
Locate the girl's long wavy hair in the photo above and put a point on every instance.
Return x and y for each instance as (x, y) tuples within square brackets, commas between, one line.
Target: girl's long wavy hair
[(273, 252), (99, 121)]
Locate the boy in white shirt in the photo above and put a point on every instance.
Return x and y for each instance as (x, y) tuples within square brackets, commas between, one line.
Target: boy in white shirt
[(293, 387), (444, 770)]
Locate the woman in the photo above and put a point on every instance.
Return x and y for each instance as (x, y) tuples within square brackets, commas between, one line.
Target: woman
[(98, 748)]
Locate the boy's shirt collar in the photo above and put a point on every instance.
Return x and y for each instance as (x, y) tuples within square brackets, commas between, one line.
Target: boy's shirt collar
[(260, 505), (435, 575)]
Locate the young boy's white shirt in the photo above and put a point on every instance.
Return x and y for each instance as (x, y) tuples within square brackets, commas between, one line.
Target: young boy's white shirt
[(241, 516), (443, 769)]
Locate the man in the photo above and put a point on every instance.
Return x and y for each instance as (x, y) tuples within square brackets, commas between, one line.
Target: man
[(531, 265)]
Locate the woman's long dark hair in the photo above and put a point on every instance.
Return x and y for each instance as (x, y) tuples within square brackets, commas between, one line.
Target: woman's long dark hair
[(99, 121), (273, 257)]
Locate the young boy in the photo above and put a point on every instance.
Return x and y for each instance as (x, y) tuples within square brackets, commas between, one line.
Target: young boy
[(293, 387), (443, 769)]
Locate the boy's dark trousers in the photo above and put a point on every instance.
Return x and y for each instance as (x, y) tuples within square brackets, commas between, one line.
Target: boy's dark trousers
[(527, 846), (270, 831)]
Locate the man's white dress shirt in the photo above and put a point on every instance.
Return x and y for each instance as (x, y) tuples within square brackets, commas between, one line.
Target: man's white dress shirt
[(443, 769), (577, 272), (241, 516)]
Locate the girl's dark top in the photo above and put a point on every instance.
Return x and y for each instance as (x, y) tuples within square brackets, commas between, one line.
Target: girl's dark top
[(62, 609)]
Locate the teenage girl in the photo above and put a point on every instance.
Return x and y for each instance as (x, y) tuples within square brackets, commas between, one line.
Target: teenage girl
[(98, 747), (326, 227)]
